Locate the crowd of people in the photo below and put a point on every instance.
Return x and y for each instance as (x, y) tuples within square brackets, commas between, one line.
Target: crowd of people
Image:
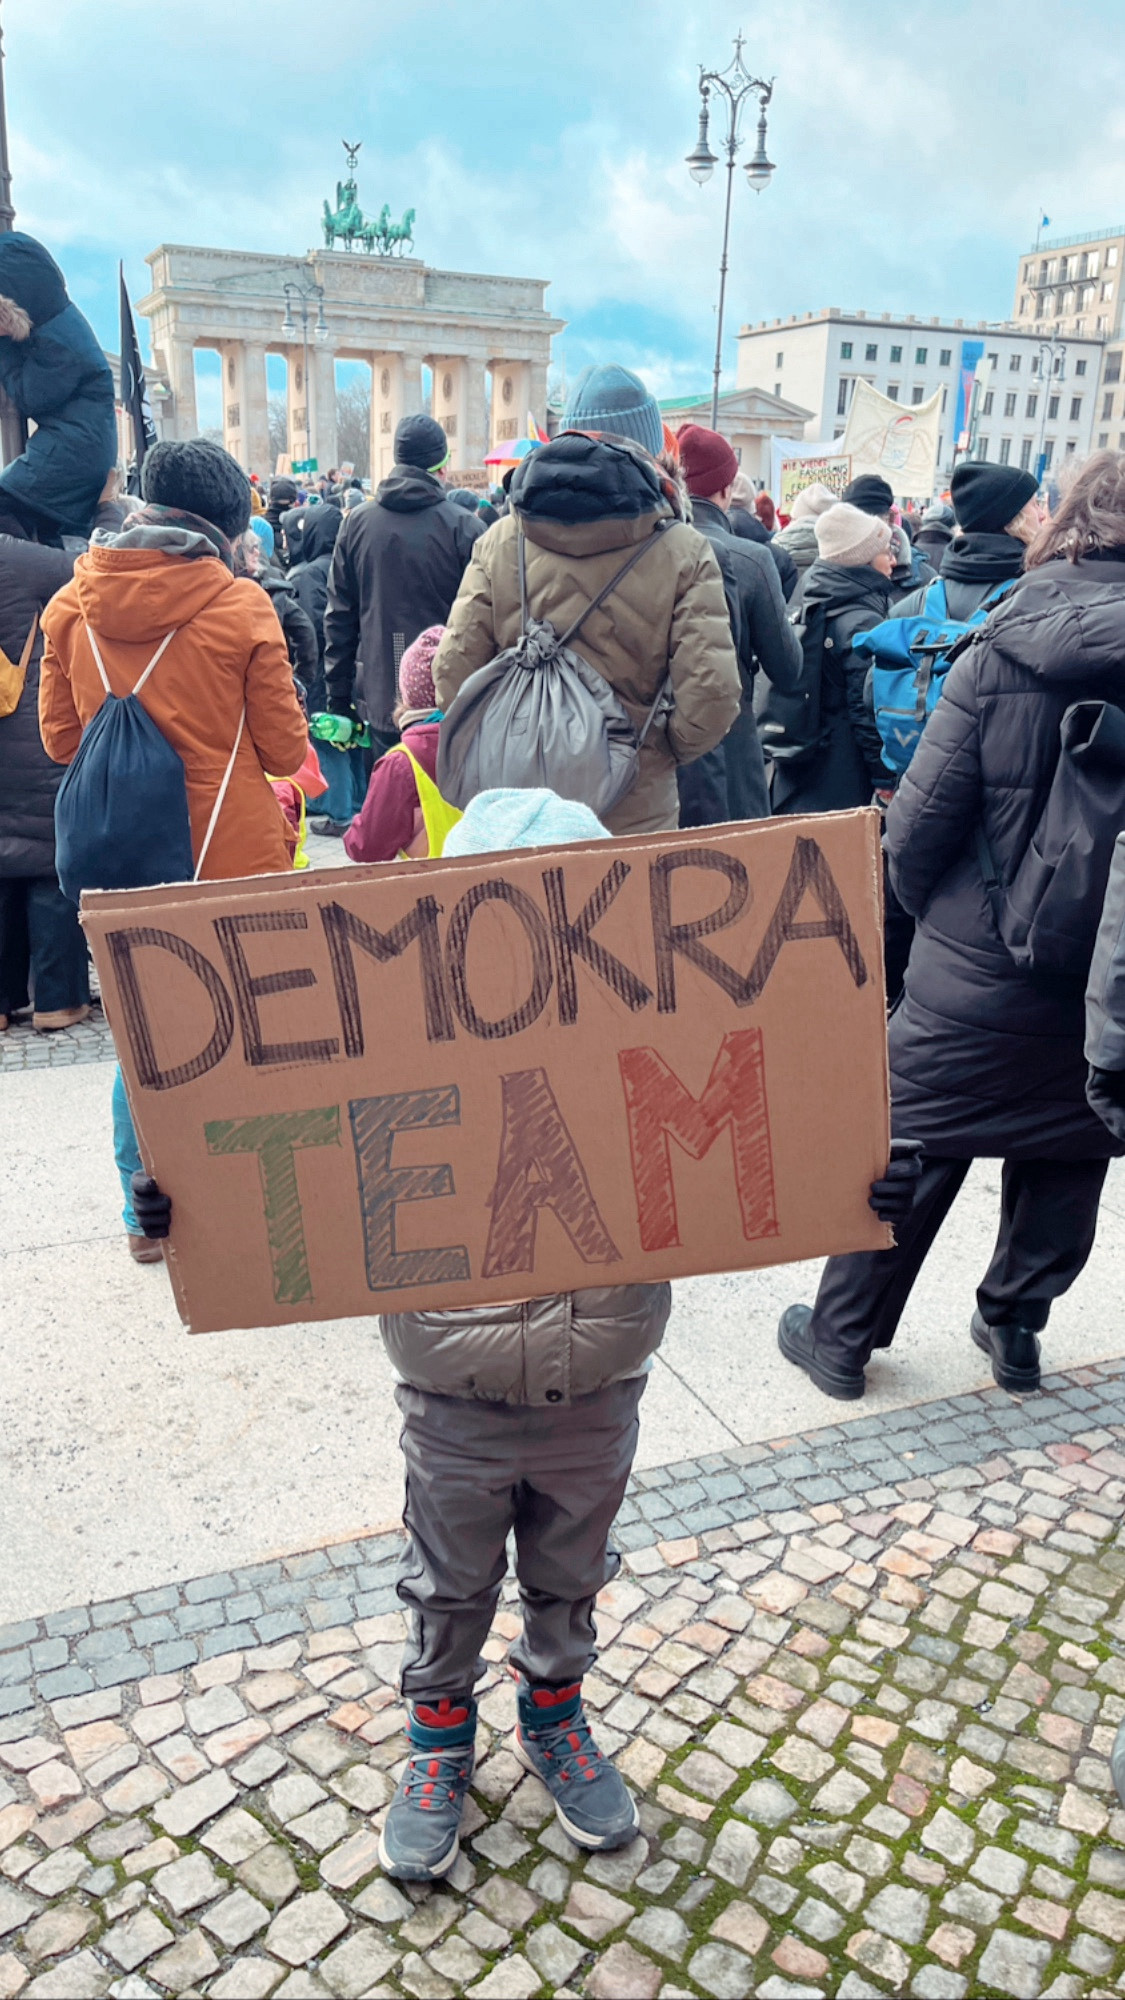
[(740, 657)]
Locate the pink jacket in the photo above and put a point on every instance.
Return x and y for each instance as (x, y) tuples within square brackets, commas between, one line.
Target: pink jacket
[(391, 815)]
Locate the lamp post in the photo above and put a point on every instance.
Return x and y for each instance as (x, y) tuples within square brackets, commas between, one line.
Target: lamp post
[(304, 294), (735, 84), (1052, 361), (13, 425)]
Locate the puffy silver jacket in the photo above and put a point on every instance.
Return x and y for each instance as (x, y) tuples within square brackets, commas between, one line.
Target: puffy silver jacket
[(532, 1351)]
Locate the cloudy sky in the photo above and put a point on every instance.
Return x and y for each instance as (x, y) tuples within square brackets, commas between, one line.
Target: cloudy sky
[(915, 145)]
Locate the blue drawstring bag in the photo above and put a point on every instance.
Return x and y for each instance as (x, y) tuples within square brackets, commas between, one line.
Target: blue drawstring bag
[(121, 812)]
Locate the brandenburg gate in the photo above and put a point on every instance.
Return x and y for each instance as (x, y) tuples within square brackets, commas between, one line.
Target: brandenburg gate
[(390, 311)]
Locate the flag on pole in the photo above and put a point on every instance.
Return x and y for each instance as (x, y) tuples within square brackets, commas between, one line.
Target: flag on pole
[(1044, 221), (134, 390)]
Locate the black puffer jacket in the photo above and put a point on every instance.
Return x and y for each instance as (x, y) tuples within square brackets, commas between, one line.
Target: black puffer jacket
[(748, 528), (29, 577), (849, 766), (300, 633), (987, 1060), (397, 568), (308, 580)]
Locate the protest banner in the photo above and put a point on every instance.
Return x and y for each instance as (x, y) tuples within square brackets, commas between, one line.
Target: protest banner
[(797, 473), (899, 442), (498, 1076)]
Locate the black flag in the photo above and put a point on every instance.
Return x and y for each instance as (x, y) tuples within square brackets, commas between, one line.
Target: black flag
[(134, 390)]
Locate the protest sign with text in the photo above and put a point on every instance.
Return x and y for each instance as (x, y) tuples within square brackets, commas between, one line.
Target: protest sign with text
[(499, 1076), (797, 473)]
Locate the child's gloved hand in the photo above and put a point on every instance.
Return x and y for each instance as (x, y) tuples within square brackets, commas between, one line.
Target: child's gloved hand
[(892, 1197), (151, 1206)]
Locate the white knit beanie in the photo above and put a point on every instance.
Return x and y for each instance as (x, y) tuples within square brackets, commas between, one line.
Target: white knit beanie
[(848, 536), (811, 501)]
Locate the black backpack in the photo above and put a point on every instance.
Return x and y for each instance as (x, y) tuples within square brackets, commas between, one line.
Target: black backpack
[(791, 726), (1048, 914)]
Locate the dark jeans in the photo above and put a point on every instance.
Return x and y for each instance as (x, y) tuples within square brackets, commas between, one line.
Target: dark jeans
[(42, 947), (1048, 1216)]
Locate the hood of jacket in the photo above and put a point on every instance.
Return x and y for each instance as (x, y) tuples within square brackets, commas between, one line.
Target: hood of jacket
[(1065, 622), (137, 593), (30, 276), (407, 490), (800, 540), (318, 536), (981, 558), (837, 586), (579, 495)]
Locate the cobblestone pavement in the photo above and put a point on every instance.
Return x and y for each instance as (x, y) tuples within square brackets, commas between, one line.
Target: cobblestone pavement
[(21, 1048), (866, 1697)]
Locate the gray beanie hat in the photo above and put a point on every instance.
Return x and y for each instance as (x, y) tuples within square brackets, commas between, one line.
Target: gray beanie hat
[(609, 398), (848, 536)]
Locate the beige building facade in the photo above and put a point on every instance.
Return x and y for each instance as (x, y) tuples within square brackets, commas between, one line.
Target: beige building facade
[(1072, 287), (485, 341)]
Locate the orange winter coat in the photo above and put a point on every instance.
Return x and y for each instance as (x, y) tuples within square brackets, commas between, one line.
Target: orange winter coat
[(228, 653)]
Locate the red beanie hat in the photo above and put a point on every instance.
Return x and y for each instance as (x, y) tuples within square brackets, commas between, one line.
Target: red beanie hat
[(707, 461)]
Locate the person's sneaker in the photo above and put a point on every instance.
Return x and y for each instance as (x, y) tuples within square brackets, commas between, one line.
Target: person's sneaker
[(1013, 1351), (594, 1804), (145, 1249), (419, 1839), (798, 1344)]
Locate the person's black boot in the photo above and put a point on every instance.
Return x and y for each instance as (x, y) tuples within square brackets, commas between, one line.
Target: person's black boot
[(1013, 1351), (797, 1343)]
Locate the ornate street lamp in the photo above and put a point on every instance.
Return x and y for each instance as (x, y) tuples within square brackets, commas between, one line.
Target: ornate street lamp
[(735, 84), (304, 295)]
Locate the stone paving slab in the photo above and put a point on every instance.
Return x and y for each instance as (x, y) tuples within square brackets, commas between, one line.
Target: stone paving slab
[(869, 1728), (22, 1049)]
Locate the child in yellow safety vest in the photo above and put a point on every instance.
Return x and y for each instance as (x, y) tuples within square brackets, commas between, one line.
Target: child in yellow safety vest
[(404, 813)]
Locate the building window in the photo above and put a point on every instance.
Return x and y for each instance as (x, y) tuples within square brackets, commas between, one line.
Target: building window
[(1103, 440), (1113, 367), (1013, 364), (940, 443), (1048, 454), (842, 397), (1111, 257), (896, 354), (778, 362), (986, 410), (1005, 451), (1035, 364), (1080, 367), (945, 357), (1064, 268), (1071, 447), (838, 432), (1032, 405), (993, 361), (1107, 407), (920, 354), (1052, 407), (944, 399), (1107, 289), (1010, 403), (917, 393), (871, 351), (1025, 302), (892, 392), (1075, 409), (982, 447), (845, 350), (1025, 454)]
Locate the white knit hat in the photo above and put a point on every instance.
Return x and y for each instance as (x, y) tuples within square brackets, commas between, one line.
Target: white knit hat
[(848, 536), (811, 501)]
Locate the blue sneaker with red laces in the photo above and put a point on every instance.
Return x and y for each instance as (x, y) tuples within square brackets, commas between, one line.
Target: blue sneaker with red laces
[(592, 1801), (419, 1841)]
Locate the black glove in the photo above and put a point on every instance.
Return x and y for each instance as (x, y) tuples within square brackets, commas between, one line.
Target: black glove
[(892, 1197), (151, 1206)]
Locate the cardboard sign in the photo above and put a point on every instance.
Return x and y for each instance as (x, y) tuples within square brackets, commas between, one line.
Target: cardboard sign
[(423, 1084), (797, 473)]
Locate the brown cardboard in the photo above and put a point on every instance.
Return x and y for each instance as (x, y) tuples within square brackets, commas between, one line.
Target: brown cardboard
[(494, 1077)]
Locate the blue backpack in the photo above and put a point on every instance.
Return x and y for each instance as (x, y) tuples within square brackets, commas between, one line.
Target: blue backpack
[(121, 812), (910, 658)]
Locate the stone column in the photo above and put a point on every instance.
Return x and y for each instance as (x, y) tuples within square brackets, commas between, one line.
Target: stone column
[(322, 368), (297, 403), (448, 403), (255, 409), (386, 409), (178, 361), (475, 404), (412, 398), (232, 361), (509, 401), (537, 392)]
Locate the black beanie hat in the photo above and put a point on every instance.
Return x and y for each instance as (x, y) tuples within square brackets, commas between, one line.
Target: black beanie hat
[(870, 494), (201, 478), (420, 440), (986, 497)]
